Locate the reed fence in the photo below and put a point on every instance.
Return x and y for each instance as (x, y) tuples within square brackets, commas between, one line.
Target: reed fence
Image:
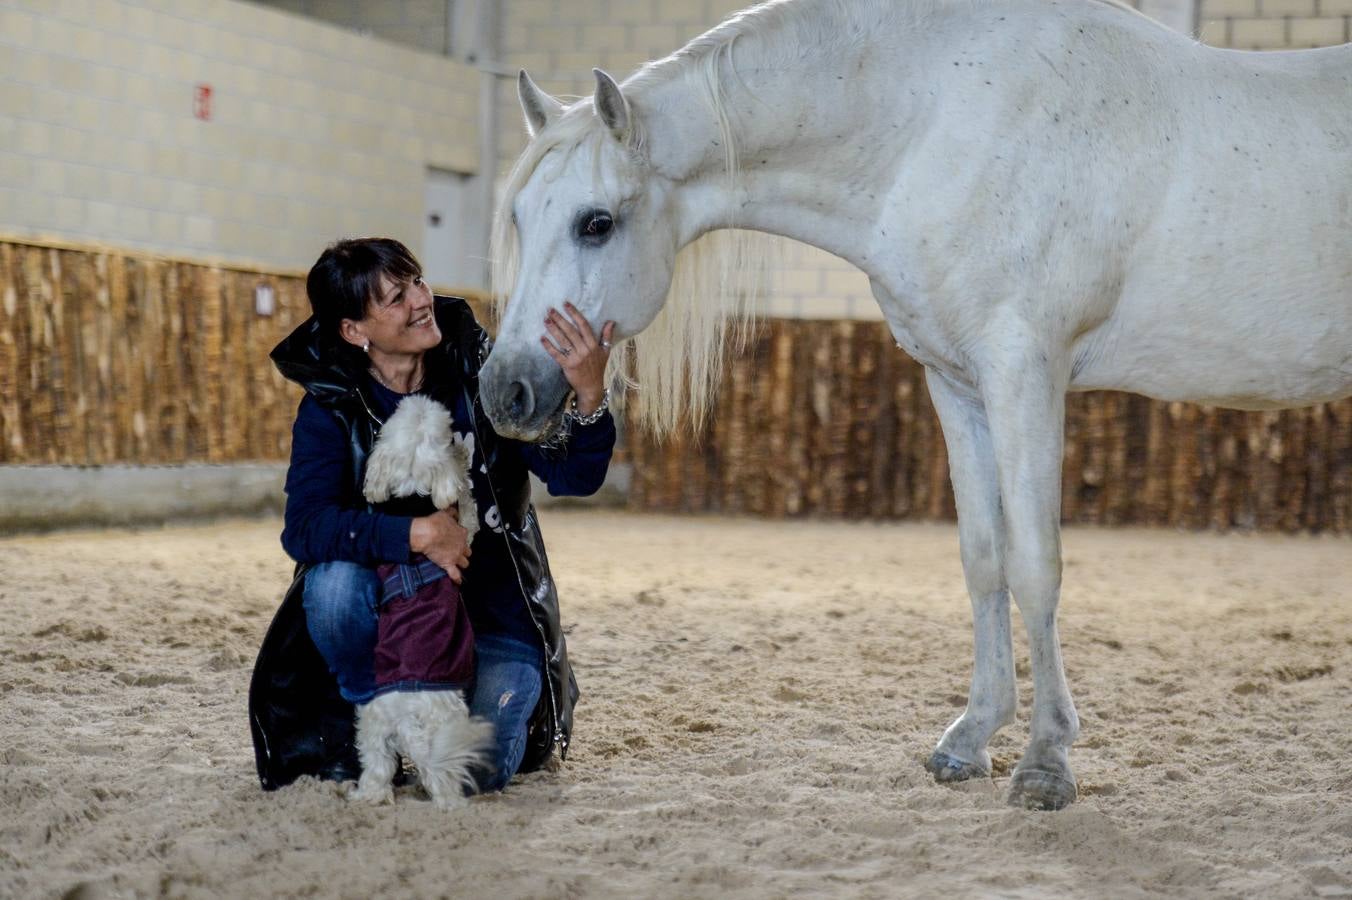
[(108, 356), (112, 357), (830, 419)]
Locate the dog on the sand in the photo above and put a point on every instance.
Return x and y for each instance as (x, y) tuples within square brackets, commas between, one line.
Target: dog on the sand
[(424, 656)]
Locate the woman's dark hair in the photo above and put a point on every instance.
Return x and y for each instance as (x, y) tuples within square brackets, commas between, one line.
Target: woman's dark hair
[(344, 280), (347, 274)]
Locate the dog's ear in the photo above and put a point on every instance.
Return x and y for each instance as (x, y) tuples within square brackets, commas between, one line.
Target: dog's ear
[(378, 479), (469, 516), (465, 442), (456, 457), (446, 484)]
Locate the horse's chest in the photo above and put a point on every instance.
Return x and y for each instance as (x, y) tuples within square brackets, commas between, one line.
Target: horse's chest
[(920, 330)]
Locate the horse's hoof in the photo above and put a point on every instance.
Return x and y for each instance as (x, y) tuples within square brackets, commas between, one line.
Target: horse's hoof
[(1040, 790), (947, 768)]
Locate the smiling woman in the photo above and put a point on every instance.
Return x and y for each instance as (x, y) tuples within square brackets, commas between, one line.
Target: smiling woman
[(385, 311), (377, 336)]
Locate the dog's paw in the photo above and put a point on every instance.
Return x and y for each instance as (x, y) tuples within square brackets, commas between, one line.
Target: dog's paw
[(447, 801), (375, 795)]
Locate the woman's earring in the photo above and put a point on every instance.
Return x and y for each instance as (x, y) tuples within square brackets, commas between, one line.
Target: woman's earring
[(366, 346)]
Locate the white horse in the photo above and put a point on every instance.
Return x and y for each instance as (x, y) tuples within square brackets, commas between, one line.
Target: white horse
[(1047, 196)]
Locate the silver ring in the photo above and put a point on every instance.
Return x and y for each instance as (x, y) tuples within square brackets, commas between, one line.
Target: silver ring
[(566, 350), (605, 345)]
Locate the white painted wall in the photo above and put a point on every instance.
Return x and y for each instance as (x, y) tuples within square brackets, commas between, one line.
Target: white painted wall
[(316, 131)]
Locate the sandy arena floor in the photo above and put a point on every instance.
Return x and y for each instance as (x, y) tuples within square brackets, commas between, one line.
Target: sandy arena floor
[(757, 700)]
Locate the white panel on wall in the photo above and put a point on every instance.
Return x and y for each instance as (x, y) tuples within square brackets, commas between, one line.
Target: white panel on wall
[(451, 257)]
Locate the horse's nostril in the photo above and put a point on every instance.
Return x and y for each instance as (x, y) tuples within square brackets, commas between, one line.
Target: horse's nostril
[(520, 400)]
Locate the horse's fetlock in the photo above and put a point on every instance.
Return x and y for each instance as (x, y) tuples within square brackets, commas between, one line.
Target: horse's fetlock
[(1063, 724)]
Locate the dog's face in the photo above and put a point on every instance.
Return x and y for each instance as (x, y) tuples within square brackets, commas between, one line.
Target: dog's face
[(419, 454)]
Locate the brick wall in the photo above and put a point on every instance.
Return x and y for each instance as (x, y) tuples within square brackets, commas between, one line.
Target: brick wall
[(1275, 24), (315, 131), (559, 41), (413, 23)]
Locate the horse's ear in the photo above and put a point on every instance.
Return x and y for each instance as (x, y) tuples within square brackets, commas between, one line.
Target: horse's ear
[(540, 108), (611, 105)]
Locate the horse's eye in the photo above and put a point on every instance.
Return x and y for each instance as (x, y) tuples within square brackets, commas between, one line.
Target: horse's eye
[(593, 227)]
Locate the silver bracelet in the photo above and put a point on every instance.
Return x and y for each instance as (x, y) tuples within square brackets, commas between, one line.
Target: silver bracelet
[(595, 415)]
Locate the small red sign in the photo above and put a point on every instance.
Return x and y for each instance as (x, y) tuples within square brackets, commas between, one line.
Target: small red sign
[(201, 102)]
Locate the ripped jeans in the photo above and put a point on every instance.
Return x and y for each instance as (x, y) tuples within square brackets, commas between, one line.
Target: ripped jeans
[(341, 603)]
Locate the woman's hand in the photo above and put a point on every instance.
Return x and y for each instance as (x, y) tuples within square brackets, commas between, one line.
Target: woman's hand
[(440, 538), (581, 356)]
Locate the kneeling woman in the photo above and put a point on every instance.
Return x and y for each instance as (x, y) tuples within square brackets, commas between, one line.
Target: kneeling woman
[(376, 336)]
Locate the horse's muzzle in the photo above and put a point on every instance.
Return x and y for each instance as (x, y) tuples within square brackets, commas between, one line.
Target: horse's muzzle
[(524, 407)]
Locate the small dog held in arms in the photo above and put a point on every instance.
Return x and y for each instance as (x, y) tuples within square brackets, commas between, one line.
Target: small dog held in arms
[(424, 655)]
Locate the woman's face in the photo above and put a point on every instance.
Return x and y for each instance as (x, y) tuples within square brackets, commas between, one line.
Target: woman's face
[(399, 319)]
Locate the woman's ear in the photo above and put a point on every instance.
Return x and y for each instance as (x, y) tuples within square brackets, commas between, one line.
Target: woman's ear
[(352, 331)]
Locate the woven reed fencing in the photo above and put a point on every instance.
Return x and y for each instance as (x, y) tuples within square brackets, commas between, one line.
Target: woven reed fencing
[(830, 419), (108, 357), (111, 357)]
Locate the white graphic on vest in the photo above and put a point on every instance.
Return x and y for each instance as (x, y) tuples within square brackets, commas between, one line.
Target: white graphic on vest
[(493, 519)]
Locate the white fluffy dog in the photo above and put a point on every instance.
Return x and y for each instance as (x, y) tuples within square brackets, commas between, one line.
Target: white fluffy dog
[(419, 455)]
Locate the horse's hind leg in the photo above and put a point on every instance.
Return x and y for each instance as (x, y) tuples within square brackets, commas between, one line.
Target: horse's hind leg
[(991, 704), (1025, 404)]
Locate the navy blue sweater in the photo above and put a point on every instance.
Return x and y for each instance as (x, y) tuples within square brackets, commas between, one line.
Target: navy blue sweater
[(323, 524)]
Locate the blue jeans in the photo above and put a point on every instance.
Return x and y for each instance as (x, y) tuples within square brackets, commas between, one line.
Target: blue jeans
[(507, 683), (341, 601)]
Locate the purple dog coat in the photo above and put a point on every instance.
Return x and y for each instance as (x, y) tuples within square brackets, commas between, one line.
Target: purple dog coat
[(424, 640)]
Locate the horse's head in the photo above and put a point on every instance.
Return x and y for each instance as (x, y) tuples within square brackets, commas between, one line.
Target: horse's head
[(590, 225)]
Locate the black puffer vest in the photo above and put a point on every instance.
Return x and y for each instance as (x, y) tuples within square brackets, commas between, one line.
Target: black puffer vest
[(301, 724)]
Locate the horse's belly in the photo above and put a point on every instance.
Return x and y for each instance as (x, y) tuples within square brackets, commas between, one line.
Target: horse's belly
[(1196, 383), (1269, 352), (1234, 301)]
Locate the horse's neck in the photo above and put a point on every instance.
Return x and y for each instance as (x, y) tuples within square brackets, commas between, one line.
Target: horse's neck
[(818, 124)]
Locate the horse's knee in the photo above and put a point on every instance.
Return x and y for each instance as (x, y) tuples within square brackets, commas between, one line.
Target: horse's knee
[(1035, 581), (983, 562)]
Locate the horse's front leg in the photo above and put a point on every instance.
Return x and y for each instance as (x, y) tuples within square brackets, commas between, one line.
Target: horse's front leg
[(1025, 404), (961, 753)]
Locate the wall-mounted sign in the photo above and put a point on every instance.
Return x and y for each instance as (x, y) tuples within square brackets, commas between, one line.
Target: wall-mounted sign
[(201, 102), (265, 301)]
